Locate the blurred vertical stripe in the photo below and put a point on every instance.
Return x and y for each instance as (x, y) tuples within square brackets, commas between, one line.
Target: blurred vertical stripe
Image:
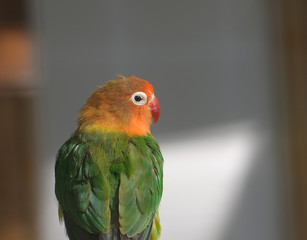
[(17, 170), (295, 46), (17, 156)]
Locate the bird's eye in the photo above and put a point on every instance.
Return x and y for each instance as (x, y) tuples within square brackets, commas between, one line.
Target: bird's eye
[(139, 98)]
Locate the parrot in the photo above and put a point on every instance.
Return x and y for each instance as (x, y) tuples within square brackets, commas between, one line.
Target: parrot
[(109, 173)]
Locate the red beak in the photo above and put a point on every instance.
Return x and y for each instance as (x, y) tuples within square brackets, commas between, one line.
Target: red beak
[(155, 109)]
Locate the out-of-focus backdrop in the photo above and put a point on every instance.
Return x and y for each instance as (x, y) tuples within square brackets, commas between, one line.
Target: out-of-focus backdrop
[(230, 77)]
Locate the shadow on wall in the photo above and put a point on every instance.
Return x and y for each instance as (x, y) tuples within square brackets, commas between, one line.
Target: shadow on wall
[(221, 184)]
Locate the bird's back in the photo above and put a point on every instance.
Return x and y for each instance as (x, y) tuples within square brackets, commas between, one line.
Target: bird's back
[(109, 185)]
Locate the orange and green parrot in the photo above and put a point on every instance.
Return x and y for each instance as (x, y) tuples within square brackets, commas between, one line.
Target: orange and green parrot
[(108, 174)]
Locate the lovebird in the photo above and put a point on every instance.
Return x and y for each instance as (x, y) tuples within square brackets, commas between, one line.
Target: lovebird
[(109, 173)]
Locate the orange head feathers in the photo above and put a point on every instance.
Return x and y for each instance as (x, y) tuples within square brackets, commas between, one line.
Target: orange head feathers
[(127, 104)]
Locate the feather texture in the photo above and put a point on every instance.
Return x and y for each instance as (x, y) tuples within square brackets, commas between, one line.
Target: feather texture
[(109, 185)]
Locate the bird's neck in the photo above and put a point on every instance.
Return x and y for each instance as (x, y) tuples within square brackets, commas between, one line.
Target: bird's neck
[(107, 122)]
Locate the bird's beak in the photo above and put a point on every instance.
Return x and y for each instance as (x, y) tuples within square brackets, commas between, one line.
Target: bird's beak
[(154, 108)]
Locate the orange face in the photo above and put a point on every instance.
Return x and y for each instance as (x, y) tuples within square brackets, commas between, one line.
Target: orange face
[(127, 104)]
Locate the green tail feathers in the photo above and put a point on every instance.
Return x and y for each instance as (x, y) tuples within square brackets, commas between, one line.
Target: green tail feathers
[(75, 232)]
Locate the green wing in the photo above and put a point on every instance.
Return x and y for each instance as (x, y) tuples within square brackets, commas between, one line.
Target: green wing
[(103, 180), (140, 191), (82, 191)]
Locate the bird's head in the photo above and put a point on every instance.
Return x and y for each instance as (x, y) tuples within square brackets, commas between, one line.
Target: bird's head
[(127, 104)]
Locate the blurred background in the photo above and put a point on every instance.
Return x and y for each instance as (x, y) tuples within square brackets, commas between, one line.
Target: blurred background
[(230, 77)]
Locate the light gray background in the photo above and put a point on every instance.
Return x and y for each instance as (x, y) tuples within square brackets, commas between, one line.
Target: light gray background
[(211, 63)]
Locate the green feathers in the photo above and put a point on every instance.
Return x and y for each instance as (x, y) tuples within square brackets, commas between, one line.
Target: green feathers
[(109, 184)]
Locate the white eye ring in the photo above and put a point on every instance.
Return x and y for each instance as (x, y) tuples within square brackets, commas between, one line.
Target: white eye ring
[(139, 98)]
